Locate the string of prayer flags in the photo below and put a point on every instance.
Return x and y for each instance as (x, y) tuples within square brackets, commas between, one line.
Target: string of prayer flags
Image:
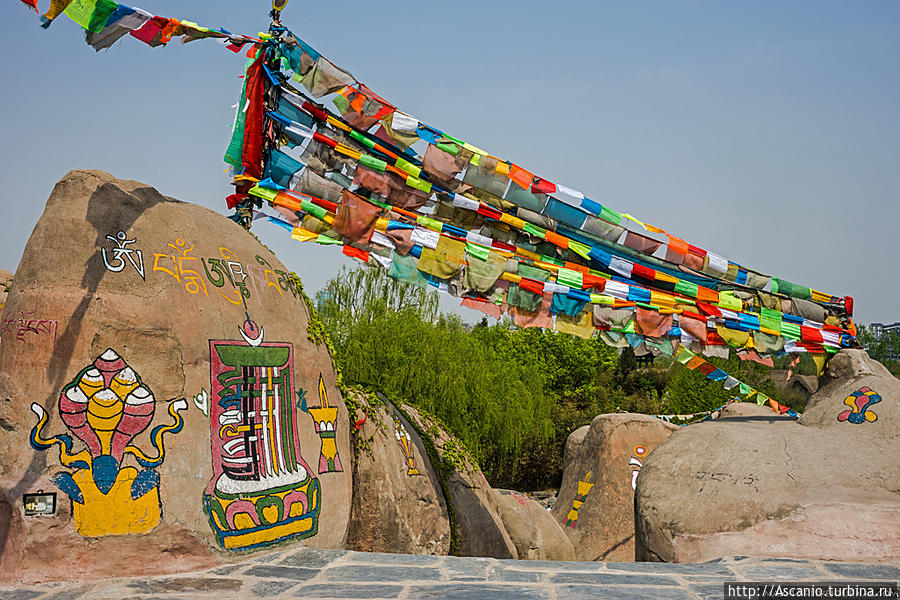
[(105, 22), (438, 211)]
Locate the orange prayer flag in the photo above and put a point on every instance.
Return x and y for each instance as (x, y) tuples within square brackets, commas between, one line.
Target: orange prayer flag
[(556, 239), (707, 295), (695, 362), (520, 176), (677, 244)]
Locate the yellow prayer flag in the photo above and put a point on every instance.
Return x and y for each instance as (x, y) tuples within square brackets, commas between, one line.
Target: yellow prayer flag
[(303, 235)]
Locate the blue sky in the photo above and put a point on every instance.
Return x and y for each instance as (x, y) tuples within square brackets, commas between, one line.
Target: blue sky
[(767, 132)]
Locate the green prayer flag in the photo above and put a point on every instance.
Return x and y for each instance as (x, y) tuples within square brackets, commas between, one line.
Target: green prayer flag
[(744, 389), (451, 148), (685, 356), (761, 398), (361, 138), (770, 319), (780, 286), (477, 251), (729, 301), (408, 167), (261, 192), (686, 287), (234, 153), (419, 184), (611, 216), (429, 223), (551, 260), (533, 229), (475, 160), (373, 163), (790, 330), (571, 278), (580, 249), (91, 14), (342, 104), (314, 209), (324, 239)]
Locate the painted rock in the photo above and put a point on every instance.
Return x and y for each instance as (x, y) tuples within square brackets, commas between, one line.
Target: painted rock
[(398, 505), (158, 378), (602, 463), (824, 487), (478, 523)]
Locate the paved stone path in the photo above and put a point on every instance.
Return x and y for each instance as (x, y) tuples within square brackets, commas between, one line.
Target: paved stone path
[(323, 574)]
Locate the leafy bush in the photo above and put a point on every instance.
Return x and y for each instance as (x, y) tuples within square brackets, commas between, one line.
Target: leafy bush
[(511, 396)]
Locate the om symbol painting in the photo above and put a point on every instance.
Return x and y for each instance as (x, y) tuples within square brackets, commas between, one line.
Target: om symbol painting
[(106, 406), (262, 491), (860, 403)]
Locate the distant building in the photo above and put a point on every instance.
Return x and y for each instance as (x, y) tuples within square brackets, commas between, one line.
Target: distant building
[(880, 329)]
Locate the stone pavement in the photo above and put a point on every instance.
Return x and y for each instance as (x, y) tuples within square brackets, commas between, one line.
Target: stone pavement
[(323, 574)]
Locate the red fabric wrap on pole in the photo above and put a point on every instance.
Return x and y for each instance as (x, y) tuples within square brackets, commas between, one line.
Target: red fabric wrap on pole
[(315, 111), (324, 140), (251, 159)]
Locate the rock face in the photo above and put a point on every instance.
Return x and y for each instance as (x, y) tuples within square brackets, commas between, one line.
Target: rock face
[(477, 513), (398, 505), (533, 530), (826, 487), (159, 379), (5, 281), (595, 505)]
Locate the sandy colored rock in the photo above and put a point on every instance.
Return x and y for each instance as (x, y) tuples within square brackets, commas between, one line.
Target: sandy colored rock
[(532, 528), (398, 505), (595, 505), (479, 524), (825, 487), (745, 410), (168, 345)]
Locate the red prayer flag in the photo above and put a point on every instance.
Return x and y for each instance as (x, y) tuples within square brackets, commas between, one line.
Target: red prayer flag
[(542, 186), (533, 286), (32, 4), (352, 252), (642, 271)]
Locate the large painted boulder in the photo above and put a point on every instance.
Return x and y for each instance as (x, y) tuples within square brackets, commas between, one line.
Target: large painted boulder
[(595, 505), (476, 511), (165, 389), (398, 505), (824, 487), (532, 528)]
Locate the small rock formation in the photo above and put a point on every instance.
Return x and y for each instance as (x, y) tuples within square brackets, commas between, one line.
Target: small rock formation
[(476, 509), (595, 505), (748, 410), (398, 505), (826, 487), (157, 376), (803, 386), (532, 528)]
